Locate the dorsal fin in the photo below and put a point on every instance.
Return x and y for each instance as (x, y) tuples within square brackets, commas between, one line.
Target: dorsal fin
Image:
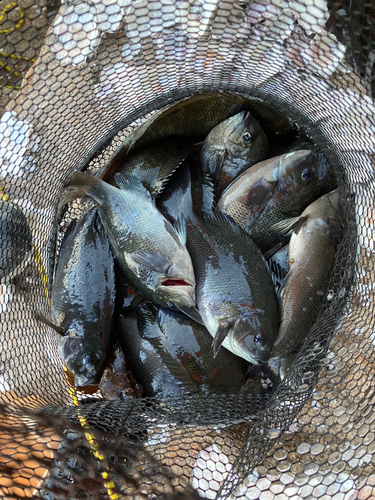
[(132, 183), (208, 194), (177, 230), (176, 200)]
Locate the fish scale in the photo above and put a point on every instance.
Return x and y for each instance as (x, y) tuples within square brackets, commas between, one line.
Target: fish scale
[(274, 190), (312, 249), (228, 269), (83, 297), (151, 254)]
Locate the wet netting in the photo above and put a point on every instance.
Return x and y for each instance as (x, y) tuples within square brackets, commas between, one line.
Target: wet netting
[(76, 79)]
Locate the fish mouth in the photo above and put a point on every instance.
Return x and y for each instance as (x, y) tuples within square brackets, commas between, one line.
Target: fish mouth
[(175, 282), (178, 291)]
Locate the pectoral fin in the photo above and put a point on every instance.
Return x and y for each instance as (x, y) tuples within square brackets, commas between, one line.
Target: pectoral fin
[(288, 226), (152, 260), (193, 313), (216, 162), (220, 335), (258, 197)]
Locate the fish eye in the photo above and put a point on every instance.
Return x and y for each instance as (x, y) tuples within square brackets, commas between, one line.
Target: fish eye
[(258, 339), (246, 137), (306, 175)]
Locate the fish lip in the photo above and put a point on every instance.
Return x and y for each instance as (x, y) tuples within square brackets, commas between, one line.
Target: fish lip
[(186, 283)]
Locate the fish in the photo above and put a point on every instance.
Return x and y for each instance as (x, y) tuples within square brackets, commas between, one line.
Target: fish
[(150, 252), (279, 264), (117, 381), (273, 190), (194, 117), (315, 236), (155, 370), (236, 297), (154, 162), (83, 298), (15, 240), (231, 147), (189, 344)]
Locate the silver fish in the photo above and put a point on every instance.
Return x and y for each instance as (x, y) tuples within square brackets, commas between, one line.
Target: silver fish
[(312, 249), (236, 296), (151, 253), (274, 190)]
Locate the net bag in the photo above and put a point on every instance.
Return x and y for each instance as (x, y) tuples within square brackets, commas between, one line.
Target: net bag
[(76, 79)]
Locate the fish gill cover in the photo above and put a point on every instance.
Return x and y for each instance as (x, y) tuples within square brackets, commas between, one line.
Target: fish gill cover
[(76, 80)]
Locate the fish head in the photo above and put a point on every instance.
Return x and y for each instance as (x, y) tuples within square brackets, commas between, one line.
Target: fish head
[(297, 172), (251, 338), (84, 364), (177, 285), (241, 137)]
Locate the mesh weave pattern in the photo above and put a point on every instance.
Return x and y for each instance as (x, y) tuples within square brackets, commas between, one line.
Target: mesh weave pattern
[(101, 67)]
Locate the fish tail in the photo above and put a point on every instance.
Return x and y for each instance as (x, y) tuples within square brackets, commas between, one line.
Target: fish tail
[(78, 186)]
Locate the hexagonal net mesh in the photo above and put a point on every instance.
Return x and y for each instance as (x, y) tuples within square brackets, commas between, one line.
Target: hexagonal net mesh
[(76, 79)]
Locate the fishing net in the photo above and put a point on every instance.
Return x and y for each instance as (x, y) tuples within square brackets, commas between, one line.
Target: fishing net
[(76, 79)]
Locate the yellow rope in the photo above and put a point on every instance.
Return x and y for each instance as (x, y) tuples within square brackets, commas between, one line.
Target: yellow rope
[(109, 485), (6, 32), (9, 7)]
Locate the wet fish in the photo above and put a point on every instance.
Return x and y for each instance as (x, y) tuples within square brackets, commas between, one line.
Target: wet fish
[(236, 296), (83, 298), (279, 264), (15, 239), (155, 370), (231, 147), (275, 189), (153, 163), (117, 381), (195, 117), (190, 344), (312, 249), (151, 253)]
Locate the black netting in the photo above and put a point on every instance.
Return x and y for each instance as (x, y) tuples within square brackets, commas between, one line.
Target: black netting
[(76, 80)]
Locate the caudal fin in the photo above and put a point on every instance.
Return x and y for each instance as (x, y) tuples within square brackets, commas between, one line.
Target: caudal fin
[(77, 186)]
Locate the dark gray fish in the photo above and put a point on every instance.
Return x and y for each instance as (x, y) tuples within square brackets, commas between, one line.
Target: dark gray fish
[(83, 298), (231, 147), (151, 253), (194, 118), (15, 239), (190, 344), (154, 369), (117, 381), (312, 249), (273, 190), (236, 296)]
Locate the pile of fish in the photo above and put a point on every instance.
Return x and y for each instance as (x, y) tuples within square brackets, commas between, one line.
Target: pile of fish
[(197, 252)]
